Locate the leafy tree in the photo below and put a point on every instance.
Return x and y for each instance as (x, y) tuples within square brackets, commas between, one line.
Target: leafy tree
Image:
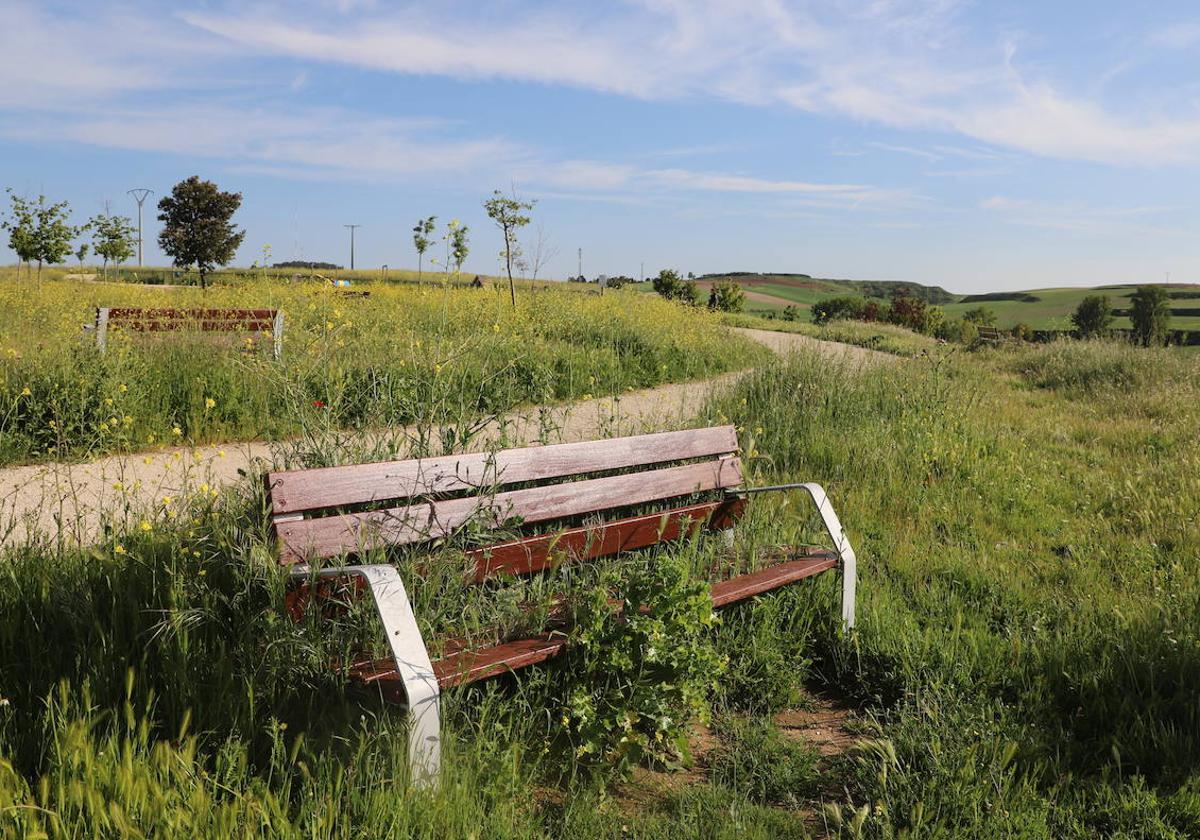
[(81, 253), (458, 246), (197, 228), (1093, 316), (1151, 314), (727, 296), (39, 231), (619, 280), (791, 313), (20, 224), (113, 238), (980, 316), (509, 214), (421, 233), (670, 285)]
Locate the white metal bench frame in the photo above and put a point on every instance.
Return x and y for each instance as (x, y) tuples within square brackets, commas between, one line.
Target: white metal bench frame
[(411, 656)]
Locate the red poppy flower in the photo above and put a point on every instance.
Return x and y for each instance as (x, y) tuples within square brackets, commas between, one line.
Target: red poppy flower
[(318, 404)]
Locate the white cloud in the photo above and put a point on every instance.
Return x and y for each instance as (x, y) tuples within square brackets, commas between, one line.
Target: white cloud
[(910, 64), (1087, 219)]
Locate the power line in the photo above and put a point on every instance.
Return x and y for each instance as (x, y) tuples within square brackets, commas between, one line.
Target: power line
[(139, 195)]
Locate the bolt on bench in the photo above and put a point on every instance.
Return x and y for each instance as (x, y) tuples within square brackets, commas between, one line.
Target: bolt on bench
[(318, 514), (201, 320)]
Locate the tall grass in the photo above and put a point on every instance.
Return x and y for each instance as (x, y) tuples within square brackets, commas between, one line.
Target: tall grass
[(1028, 547), (428, 355), (1026, 661)]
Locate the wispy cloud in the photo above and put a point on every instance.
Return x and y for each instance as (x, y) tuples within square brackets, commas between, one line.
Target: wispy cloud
[(1089, 219), (900, 63)]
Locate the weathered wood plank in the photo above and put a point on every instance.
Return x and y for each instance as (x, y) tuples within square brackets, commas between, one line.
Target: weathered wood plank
[(333, 535), (305, 490), (772, 577), (533, 554), (466, 665)]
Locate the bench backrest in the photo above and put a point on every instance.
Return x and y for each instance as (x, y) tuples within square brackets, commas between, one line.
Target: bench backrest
[(331, 511), (202, 320), (990, 333)]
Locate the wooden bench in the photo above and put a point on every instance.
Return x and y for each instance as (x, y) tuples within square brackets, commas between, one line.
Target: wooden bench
[(991, 335), (200, 320), (334, 512)]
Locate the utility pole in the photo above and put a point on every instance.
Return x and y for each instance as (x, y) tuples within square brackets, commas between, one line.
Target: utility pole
[(642, 272), (352, 229), (579, 273), (139, 195)]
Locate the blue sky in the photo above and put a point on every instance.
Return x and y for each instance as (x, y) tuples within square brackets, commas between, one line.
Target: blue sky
[(972, 145)]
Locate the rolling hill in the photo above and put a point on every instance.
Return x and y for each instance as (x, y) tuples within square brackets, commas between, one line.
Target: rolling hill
[(1048, 308)]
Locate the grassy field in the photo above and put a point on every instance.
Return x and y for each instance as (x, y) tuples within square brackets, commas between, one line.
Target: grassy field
[(1046, 309), (887, 338), (1027, 662), (407, 355)]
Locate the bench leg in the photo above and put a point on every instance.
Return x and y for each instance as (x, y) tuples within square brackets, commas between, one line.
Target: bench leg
[(412, 663), (277, 335), (102, 328), (841, 543), (833, 526)]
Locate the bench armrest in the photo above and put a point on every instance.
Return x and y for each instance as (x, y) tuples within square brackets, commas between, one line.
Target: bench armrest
[(833, 526)]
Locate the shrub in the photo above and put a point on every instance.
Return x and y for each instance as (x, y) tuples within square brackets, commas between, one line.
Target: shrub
[(980, 316), (727, 296), (1150, 314), (1093, 316), (909, 311), (838, 308), (671, 286)]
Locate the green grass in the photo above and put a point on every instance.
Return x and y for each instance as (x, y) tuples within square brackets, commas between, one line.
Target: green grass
[(886, 338), (425, 356), (1053, 310), (1027, 660)]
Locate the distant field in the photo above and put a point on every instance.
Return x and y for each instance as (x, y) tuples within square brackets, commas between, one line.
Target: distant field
[(1045, 309), (1053, 308)]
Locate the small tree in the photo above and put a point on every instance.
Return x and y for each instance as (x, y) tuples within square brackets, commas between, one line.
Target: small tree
[(196, 226), (509, 214), (21, 225), (81, 253), (1151, 315), (457, 246), (727, 296), (670, 285), (39, 231), (421, 241), (1093, 316), (113, 238), (541, 251)]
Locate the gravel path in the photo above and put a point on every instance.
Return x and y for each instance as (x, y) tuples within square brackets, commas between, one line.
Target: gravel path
[(71, 502)]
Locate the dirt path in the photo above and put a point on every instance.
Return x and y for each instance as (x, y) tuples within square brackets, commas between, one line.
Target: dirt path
[(71, 502)]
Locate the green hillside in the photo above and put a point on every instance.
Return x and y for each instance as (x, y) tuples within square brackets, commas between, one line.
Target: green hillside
[(1045, 309)]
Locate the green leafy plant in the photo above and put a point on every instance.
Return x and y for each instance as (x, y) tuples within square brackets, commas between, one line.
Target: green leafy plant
[(510, 215), (639, 673), (421, 241)]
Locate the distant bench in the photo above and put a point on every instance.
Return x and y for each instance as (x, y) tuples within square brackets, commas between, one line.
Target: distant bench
[(201, 320), (335, 512), (991, 335)]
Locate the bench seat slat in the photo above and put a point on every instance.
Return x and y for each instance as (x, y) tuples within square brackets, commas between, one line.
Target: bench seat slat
[(334, 535), (533, 554), (464, 666), (296, 491)]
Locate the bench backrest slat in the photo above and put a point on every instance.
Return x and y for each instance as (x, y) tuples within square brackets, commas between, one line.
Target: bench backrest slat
[(329, 536), (297, 491), (117, 313)]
